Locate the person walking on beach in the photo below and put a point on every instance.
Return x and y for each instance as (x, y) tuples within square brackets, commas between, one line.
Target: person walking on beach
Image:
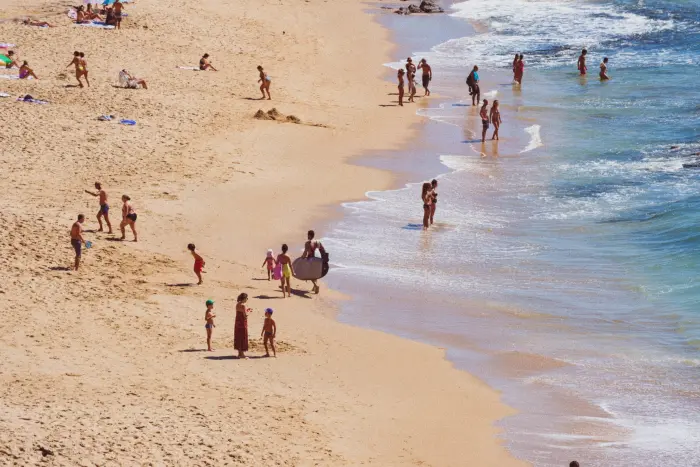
[(285, 263), (483, 113), (310, 251), (209, 322), (104, 207), (433, 196), (427, 75), (473, 83), (582, 62), (117, 12), (604, 70), (269, 331), (427, 204), (240, 332), (198, 262), (128, 217), (78, 68), (76, 239), (495, 116), (264, 83), (205, 64), (269, 261), (411, 76), (519, 69), (82, 67), (400, 75)]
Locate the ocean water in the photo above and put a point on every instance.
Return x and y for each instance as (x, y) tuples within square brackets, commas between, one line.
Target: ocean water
[(564, 271)]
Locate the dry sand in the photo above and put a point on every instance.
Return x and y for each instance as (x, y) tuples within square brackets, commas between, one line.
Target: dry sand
[(105, 366)]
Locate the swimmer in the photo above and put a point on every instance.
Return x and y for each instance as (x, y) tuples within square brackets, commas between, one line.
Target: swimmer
[(26, 72), (287, 271), (400, 75), (76, 239), (205, 64), (515, 66), (427, 75), (198, 262), (582, 62), (104, 207), (128, 218), (604, 70), (483, 113), (495, 116), (264, 83)]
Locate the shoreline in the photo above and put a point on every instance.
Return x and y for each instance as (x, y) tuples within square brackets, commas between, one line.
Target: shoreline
[(336, 396)]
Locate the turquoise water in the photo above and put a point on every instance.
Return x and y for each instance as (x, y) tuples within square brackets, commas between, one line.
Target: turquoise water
[(579, 243)]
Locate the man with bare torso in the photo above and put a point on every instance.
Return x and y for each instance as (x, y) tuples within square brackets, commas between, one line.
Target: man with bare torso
[(309, 252), (427, 75), (582, 63), (104, 207), (76, 239), (484, 114), (411, 77)]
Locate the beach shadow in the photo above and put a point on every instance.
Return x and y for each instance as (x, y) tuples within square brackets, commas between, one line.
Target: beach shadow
[(71, 86), (183, 284), (392, 94), (413, 227), (266, 297), (60, 268), (260, 279), (234, 357), (388, 105), (192, 350), (114, 239), (300, 293), (90, 231), (253, 98), (467, 141), (461, 105)]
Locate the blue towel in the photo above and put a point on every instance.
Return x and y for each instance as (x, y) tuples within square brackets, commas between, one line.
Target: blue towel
[(127, 122)]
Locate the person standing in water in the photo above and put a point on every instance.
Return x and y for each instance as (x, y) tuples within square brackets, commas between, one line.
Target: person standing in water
[(400, 75), (515, 66), (483, 113), (310, 252), (264, 83), (411, 76), (604, 70), (104, 207), (582, 69), (434, 196), (427, 199), (76, 239), (473, 83), (520, 69), (427, 75), (495, 116)]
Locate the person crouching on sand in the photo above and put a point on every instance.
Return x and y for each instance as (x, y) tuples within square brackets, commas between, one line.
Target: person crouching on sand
[(427, 198), (198, 262), (495, 116), (268, 333), (269, 261), (287, 271), (264, 83), (209, 319), (399, 75), (128, 217)]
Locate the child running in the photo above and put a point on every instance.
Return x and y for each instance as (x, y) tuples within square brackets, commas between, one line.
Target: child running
[(270, 262), (198, 262), (269, 331), (209, 326), (287, 271)]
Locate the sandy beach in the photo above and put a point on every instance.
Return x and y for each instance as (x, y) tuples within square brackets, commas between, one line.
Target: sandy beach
[(107, 365)]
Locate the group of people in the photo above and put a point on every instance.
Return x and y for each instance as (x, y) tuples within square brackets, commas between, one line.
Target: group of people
[(410, 75), (583, 69), (240, 332), (282, 268), (129, 217), (112, 14), (429, 196), (263, 78), (10, 61)]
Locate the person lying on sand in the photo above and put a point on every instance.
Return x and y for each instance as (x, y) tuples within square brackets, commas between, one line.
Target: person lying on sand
[(104, 207), (26, 72), (131, 82), (13, 61), (205, 64), (264, 83), (41, 24)]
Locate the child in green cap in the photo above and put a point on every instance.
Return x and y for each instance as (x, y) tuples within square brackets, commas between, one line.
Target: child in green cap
[(209, 318)]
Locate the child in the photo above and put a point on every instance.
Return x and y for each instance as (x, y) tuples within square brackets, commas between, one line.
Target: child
[(268, 333), (270, 261), (209, 318), (198, 263), (286, 270)]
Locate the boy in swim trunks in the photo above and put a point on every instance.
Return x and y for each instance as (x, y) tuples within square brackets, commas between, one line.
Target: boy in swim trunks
[(427, 75), (198, 263), (582, 62), (76, 239), (483, 113), (268, 333), (209, 326), (104, 207)]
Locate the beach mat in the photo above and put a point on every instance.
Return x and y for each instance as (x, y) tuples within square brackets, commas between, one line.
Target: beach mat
[(97, 25), (193, 68)]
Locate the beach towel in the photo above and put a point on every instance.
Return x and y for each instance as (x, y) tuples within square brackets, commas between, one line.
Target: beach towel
[(96, 24), (31, 100), (193, 68), (106, 118), (5, 45), (4, 94), (128, 122), (9, 76)]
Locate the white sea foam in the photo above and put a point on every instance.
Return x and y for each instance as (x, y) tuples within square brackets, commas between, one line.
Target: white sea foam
[(535, 138)]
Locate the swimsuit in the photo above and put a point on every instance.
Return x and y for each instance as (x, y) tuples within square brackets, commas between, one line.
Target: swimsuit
[(268, 334), (208, 326), (270, 263), (202, 65), (485, 123), (131, 216), (286, 270), (426, 80), (77, 246), (23, 74), (104, 208)]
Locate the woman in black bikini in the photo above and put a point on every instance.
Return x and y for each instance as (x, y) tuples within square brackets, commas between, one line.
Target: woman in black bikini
[(426, 196), (434, 195), (128, 217)]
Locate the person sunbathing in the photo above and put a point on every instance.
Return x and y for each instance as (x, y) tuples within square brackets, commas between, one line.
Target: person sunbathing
[(85, 16), (205, 64), (131, 82), (41, 24), (25, 72)]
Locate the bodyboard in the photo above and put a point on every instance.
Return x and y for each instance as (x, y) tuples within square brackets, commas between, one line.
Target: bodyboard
[(308, 268)]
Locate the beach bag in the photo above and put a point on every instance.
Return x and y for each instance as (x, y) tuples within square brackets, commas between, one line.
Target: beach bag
[(277, 272)]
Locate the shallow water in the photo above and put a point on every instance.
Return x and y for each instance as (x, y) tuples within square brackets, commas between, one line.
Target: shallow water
[(578, 244)]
